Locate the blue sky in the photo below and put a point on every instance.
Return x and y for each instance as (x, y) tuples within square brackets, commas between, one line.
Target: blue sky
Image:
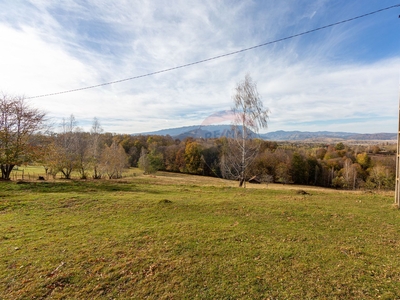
[(343, 78)]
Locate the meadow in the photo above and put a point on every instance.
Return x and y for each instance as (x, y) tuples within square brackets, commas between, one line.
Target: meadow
[(176, 236)]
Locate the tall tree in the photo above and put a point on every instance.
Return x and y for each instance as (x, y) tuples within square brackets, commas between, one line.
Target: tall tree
[(51, 158), (193, 157), (249, 117), (150, 161), (18, 123), (82, 140), (66, 142), (144, 162), (299, 169), (114, 160), (349, 173), (95, 147)]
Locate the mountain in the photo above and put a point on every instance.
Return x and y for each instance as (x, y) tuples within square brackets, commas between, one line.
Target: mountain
[(374, 136), (199, 131), (216, 131), (171, 131)]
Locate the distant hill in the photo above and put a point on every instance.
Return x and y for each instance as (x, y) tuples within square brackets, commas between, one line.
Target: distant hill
[(171, 131), (216, 131), (309, 136), (374, 136), (207, 131)]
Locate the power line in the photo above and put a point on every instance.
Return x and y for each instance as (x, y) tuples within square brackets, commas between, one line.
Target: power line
[(218, 56)]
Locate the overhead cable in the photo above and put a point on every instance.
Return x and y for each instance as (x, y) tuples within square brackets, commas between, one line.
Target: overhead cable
[(216, 57)]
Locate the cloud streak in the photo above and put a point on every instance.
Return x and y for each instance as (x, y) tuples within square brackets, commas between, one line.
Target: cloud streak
[(317, 82)]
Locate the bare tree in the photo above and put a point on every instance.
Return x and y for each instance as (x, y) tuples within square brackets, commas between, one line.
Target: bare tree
[(95, 148), (67, 147), (82, 141), (144, 162), (267, 179), (18, 123), (349, 174), (250, 116), (114, 160), (50, 158)]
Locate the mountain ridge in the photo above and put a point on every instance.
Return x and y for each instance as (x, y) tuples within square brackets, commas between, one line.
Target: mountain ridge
[(216, 131)]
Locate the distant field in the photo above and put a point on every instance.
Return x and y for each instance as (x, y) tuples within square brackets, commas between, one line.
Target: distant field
[(27, 172), (32, 172), (188, 237)]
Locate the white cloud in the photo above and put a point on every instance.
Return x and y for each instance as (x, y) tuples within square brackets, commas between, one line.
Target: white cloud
[(57, 46), (32, 66)]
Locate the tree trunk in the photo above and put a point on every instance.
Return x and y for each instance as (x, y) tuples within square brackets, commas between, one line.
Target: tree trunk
[(96, 174), (6, 171), (67, 173)]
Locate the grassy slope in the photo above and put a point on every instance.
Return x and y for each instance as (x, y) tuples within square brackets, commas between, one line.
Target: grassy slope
[(121, 239)]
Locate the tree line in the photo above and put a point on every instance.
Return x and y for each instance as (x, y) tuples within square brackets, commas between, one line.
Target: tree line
[(96, 154), (326, 165), (25, 138)]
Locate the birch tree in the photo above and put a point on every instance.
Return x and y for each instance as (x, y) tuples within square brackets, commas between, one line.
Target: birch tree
[(249, 117), (113, 160), (95, 147)]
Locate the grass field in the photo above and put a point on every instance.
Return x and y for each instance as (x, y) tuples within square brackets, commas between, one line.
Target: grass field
[(187, 237)]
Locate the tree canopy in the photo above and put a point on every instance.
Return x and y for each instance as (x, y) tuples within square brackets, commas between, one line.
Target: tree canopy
[(18, 123)]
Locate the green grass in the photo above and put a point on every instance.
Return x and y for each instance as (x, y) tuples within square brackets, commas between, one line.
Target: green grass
[(27, 172), (187, 237)]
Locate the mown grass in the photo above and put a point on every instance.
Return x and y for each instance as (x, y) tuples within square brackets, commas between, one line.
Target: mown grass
[(172, 238)]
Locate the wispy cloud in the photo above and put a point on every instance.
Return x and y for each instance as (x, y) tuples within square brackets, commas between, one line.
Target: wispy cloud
[(316, 82)]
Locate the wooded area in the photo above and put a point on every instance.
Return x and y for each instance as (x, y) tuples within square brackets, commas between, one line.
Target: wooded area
[(105, 155), (98, 155), (337, 165)]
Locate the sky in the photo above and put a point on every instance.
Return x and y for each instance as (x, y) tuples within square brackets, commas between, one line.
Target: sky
[(342, 78)]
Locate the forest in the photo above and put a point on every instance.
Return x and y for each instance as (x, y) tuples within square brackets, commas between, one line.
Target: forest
[(96, 154), (328, 165), (26, 139)]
